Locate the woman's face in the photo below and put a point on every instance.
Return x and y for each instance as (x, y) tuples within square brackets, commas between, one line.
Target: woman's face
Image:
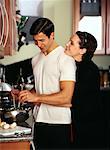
[(73, 47)]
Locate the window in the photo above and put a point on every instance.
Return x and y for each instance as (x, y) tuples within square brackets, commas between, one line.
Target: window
[(93, 16)]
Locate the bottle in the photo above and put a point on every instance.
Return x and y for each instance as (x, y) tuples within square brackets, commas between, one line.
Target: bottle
[(20, 81), (20, 86)]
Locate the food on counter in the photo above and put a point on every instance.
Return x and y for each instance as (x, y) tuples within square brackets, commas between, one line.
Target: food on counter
[(0, 121), (2, 124), (5, 125), (13, 125)]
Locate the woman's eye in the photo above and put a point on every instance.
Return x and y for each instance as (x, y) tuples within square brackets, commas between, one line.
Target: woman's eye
[(72, 43)]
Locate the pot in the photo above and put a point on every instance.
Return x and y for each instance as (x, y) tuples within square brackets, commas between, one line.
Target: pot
[(6, 101), (14, 116), (5, 87)]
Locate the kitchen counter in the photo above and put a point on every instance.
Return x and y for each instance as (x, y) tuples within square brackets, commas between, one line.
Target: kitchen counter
[(105, 88), (15, 138), (25, 52), (17, 141)]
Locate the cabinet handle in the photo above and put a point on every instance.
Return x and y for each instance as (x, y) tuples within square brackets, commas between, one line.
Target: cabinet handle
[(7, 25), (2, 14)]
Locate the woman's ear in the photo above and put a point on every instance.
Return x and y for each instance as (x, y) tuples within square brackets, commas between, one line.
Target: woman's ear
[(83, 51)]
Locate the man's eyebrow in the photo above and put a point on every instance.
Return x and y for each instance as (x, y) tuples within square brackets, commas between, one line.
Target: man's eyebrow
[(39, 40)]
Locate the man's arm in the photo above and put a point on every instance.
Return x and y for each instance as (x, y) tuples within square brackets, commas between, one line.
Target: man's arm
[(61, 98)]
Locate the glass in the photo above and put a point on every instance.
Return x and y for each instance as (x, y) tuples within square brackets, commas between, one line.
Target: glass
[(29, 85), (15, 93)]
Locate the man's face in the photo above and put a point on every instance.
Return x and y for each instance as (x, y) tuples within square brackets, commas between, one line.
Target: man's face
[(43, 42), (73, 47)]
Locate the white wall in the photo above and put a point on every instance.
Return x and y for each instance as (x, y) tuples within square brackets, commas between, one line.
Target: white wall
[(102, 61), (60, 12), (26, 52)]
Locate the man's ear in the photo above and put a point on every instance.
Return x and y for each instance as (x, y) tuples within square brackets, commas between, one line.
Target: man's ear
[(83, 51), (52, 35)]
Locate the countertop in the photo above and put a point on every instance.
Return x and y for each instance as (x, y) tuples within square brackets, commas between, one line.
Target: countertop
[(26, 135), (25, 52), (105, 88), (16, 138)]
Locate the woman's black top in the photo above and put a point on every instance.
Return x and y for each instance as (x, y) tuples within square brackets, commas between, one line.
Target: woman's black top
[(87, 112)]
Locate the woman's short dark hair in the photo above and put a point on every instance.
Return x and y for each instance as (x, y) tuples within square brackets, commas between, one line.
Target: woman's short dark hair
[(89, 42), (43, 25)]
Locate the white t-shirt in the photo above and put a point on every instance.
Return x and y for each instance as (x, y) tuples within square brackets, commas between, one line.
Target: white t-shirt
[(48, 71)]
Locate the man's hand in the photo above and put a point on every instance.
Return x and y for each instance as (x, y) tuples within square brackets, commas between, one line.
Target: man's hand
[(26, 95)]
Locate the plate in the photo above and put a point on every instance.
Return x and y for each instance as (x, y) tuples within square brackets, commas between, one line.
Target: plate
[(17, 130)]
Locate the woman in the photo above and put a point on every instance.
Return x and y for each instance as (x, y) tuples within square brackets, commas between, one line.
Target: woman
[(86, 109)]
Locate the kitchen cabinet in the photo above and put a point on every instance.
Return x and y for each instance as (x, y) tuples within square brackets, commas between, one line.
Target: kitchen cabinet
[(105, 97), (98, 21), (8, 29), (108, 28), (22, 145), (20, 142)]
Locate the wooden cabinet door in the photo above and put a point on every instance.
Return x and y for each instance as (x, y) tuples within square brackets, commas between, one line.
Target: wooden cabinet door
[(8, 30), (108, 28), (23, 145)]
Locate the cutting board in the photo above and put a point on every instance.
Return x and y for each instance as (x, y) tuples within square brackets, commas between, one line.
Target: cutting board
[(16, 130)]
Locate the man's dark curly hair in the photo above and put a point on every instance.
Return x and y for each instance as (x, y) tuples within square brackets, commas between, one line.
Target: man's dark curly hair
[(89, 42), (43, 25)]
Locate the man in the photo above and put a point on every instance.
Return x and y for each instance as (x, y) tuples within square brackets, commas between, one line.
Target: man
[(54, 74)]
